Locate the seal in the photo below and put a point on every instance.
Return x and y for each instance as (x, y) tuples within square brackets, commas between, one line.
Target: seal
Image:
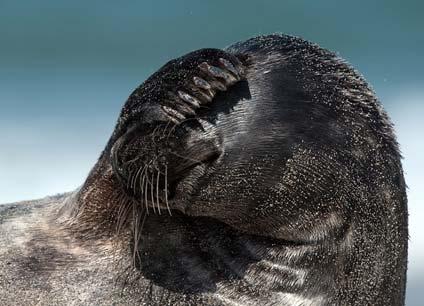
[(264, 174)]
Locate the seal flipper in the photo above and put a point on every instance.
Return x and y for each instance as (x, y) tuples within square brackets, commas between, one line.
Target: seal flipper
[(182, 85), (202, 88)]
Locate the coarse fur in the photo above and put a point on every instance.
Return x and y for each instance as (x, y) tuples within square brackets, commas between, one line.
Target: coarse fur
[(284, 186)]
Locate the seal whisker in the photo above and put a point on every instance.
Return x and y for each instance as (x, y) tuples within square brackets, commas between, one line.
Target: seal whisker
[(151, 191), (121, 207), (123, 202), (157, 190), (128, 162), (142, 179), (134, 180), (135, 233), (153, 134), (166, 127), (146, 203), (130, 177), (173, 129), (166, 190)]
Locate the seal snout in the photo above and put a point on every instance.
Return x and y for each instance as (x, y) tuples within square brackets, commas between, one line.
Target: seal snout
[(151, 161)]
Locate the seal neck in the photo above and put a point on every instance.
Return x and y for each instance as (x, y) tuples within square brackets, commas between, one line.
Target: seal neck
[(93, 209)]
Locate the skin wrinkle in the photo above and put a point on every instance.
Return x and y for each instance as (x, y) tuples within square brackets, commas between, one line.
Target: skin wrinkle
[(286, 188)]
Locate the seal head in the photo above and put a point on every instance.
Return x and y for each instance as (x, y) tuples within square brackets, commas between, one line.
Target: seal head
[(294, 147), (265, 174)]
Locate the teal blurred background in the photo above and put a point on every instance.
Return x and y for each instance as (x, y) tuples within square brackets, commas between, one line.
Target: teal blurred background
[(66, 69)]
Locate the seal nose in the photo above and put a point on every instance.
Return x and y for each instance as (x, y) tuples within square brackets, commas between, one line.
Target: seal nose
[(138, 151)]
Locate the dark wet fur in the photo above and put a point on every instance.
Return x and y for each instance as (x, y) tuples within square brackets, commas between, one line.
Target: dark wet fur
[(341, 160), (293, 192)]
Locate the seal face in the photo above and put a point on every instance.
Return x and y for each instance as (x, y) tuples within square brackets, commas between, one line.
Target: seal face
[(174, 142), (265, 174)]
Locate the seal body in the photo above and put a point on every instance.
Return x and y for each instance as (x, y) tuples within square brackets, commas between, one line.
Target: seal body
[(265, 174)]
